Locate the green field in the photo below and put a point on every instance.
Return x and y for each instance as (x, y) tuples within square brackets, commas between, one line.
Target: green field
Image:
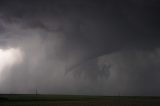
[(76, 100)]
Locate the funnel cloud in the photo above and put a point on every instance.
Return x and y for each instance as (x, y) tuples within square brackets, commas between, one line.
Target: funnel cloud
[(80, 47)]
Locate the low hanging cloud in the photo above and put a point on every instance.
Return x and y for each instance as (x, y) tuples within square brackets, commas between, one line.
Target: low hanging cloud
[(134, 72), (80, 47)]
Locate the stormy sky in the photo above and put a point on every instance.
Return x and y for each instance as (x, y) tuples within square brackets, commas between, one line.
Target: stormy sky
[(91, 47)]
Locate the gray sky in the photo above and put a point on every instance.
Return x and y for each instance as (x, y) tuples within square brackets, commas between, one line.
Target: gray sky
[(90, 47)]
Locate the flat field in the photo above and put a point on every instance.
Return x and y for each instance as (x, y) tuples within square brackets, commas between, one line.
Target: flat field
[(76, 100)]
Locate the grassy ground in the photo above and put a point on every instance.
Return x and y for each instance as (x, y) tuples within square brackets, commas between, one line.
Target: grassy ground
[(76, 100)]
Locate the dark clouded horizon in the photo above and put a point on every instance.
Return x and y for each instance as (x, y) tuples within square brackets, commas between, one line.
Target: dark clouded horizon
[(80, 47)]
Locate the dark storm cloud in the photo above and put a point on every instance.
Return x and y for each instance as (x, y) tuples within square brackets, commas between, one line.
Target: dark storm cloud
[(102, 26), (60, 35)]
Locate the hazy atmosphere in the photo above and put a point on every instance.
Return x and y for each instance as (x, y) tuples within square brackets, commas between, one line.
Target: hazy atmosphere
[(88, 47)]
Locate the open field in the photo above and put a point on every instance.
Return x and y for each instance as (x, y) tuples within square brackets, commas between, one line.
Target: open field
[(75, 100)]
